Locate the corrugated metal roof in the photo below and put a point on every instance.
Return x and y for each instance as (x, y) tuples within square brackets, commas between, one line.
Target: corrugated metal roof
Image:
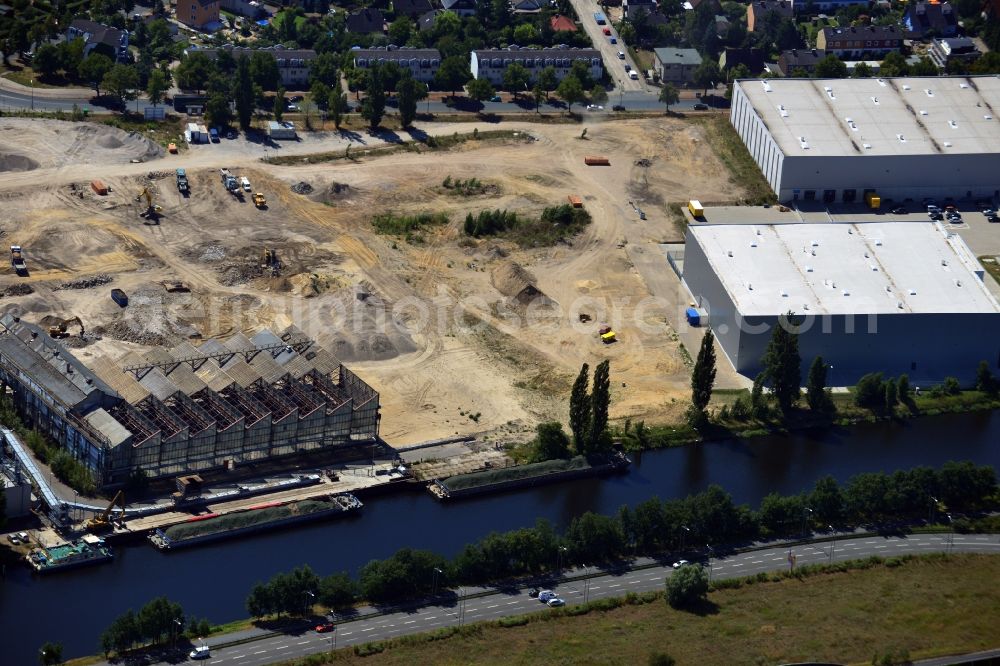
[(298, 366), (108, 426), (122, 382), (185, 379), (322, 360), (158, 384), (267, 368), (242, 373), (239, 342)]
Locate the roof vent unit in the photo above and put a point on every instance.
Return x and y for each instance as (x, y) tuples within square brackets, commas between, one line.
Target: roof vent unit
[(873, 267), (930, 93), (828, 88), (753, 243), (901, 139), (952, 124), (812, 252), (850, 231), (963, 85), (899, 304), (853, 125), (749, 287), (729, 253), (784, 294), (867, 146), (987, 117), (888, 288), (913, 292), (867, 255), (756, 231), (805, 306), (782, 110), (846, 293), (767, 86), (947, 144), (815, 243), (922, 112), (875, 100), (881, 82), (944, 262), (906, 87), (958, 283), (803, 143), (878, 243), (809, 269)]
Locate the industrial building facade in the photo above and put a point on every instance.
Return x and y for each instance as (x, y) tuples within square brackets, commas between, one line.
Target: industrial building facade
[(834, 140), (898, 297), (187, 409)]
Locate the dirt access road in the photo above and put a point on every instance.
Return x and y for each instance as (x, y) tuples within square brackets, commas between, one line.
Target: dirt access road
[(437, 323)]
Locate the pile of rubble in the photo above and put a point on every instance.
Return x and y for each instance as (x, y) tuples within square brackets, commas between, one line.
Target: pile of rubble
[(302, 187), (235, 274), (157, 175), (120, 330), (87, 282), (18, 290)]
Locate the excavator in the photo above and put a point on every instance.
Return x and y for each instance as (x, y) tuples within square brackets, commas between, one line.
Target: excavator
[(152, 210), (60, 329), (269, 260), (103, 521)]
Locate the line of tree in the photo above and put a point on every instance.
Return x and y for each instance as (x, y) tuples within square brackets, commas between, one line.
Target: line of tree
[(648, 528), (554, 222), (159, 621)]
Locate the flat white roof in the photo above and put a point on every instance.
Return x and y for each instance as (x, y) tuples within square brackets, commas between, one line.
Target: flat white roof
[(834, 268), (880, 116)]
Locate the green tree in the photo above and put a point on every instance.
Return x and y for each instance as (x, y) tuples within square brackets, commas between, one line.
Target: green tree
[(668, 95), (707, 75), (525, 34), (782, 363), (319, 93), (46, 61), (891, 396), (337, 591), (988, 63), (264, 70), (243, 92), (158, 619), (817, 396), (516, 77), (600, 402), (400, 30), (687, 586), (325, 68), (217, 110), (862, 71), (985, 381), (480, 90), (548, 79), (71, 55), (703, 374), (598, 95), (924, 67), (409, 91), (831, 67), (903, 388), (122, 81), (50, 654), (869, 392), (452, 74), (194, 72), (373, 106), (551, 442), (893, 65), (827, 501), (279, 104), (539, 95), (93, 68), (579, 410), (570, 90), (157, 87), (337, 105), (259, 602)]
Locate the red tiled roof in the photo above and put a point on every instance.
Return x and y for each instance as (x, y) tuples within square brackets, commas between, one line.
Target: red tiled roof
[(561, 23)]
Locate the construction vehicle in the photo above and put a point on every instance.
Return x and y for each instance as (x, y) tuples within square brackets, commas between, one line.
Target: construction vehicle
[(607, 335), (269, 260), (152, 209), (17, 260), (873, 200), (229, 182), (182, 182), (259, 200), (60, 329), (105, 520)]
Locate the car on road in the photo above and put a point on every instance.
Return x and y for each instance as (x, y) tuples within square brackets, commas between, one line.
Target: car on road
[(326, 627), (632, 75), (200, 652), (533, 592), (628, 67), (621, 56), (13, 539), (594, 107), (231, 134), (555, 602), (936, 215), (900, 210), (680, 563), (496, 98), (23, 536), (613, 40), (545, 595), (607, 31), (992, 218), (214, 134), (618, 107), (989, 211), (296, 98), (700, 107)]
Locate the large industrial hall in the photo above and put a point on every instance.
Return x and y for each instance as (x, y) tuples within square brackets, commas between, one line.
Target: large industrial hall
[(187, 409), (834, 140)]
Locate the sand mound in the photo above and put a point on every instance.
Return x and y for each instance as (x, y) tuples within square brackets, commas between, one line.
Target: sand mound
[(512, 280), (109, 142), (17, 163)]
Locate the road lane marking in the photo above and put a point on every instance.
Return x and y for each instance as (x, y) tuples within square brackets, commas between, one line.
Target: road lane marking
[(757, 561), (302, 642), (493, 606), (513, 602), (281, 647), (410, 622), (347, 633), (260, 652), (369, 629), (615, 585), (239, 657)]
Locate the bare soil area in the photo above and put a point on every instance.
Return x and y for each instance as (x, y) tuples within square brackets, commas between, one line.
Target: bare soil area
[(440, 325)]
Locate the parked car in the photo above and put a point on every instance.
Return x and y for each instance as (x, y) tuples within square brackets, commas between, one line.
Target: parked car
[(214, 134), (700, 107), (594, 107), (533, 592), (245, 184), (555, 602), (936, 215), (23, 536), (680, 563), (628, 67), (621, 56), (618, 107), (496, 98), (900, 210), (231, 134), (989, 211), (296, 98), (992, 218), (326, 627), (13, 539), (633, 75)]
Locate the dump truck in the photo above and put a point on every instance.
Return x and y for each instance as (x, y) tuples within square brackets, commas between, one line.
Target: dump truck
[(696, 209), (17, 260), (229, 182), (596, 160), (119, 297), (259, 200), (873, 200), (607, 335), (182, 182)]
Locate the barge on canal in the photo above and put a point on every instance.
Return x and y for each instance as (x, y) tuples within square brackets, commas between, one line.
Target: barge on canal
[(85, 551), (213, 527)]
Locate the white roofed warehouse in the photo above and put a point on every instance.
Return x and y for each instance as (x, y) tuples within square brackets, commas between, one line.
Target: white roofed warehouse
[(834, 140), (891, 297)]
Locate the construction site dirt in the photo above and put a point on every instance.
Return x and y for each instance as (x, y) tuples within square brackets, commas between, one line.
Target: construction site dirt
[(444, 326)]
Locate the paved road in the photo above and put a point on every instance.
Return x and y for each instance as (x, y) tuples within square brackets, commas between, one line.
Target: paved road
[(492, 604), (615, 66)]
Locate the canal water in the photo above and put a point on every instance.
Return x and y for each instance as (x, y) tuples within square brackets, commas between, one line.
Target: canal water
[(212, 581)]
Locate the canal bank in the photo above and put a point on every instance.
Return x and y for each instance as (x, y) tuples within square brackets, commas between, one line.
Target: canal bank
[(213, 581)]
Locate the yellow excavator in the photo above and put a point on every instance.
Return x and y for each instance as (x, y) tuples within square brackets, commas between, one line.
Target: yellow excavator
[(103, 521), (152, 209), (60, 329)]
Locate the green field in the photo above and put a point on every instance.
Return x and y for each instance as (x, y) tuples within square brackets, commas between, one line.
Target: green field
[(923, 607)]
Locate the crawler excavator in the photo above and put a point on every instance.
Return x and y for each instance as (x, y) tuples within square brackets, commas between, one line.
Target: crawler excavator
[(103, 521), (152, 210), (60, 329)]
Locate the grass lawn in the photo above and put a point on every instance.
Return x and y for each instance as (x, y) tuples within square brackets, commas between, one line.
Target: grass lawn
[(924, 607), (728, 146)]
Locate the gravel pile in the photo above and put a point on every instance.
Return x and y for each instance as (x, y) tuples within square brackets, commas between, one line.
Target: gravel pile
[(240, 274), (213, 253), (302, 187), (157, 175), (120, 330), (87, 282), (18, 290), (644, 162)]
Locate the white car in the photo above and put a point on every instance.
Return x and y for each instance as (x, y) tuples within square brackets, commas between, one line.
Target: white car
[(555, 602), (680, 563), (245, 182), (200, 652), (546, 595), (621, 55), (632, 75)]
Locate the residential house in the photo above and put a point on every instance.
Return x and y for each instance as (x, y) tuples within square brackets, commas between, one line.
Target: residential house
[(527, 6), (804, 59), (950, 49), (422, 63), (293, 64), (631, 8), (365, 21), (198, 14), (752, 59), (560, 23), (855, 42), (411, 8), (490, 64), (825, 6), (460, 7), (248, 8), (426, 21), (716, 4), (721, 26), (98, 38), (924, 19), (675, 65), (758, 10)]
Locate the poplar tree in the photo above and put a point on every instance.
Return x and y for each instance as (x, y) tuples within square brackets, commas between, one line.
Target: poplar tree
[(703, 375), (579, 410), (782, 363), (600, 400)]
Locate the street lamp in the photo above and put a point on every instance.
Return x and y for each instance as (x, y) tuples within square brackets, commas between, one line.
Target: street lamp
[(562, 549), (684, 535), (806, 512), (437, 572), (311, 595), (586, 583), (930, 511), (32, 94), (951, 533), (833, 547), (711, 554), (179, 625)]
